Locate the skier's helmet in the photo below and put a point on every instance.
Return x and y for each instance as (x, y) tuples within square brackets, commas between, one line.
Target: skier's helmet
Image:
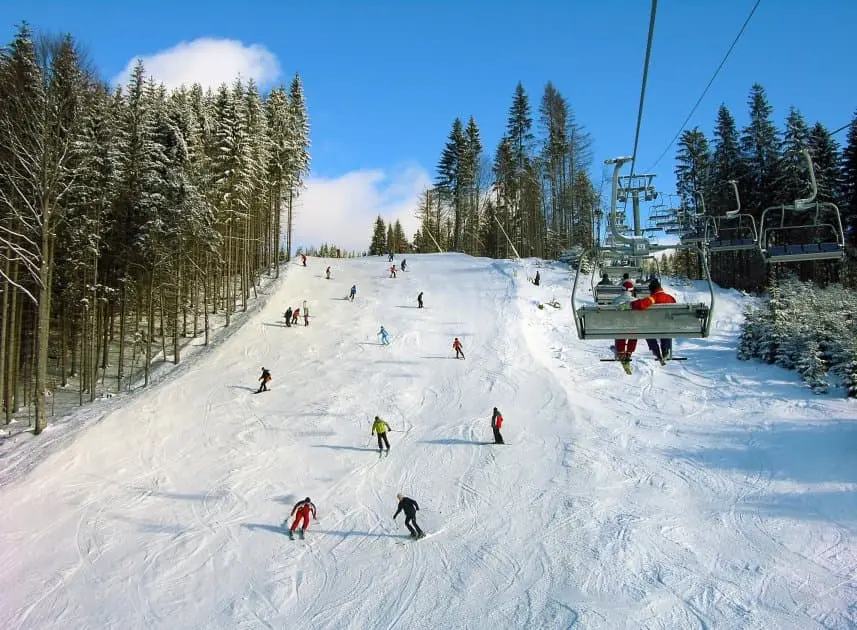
[(654, 285), (307, 500), (399, 496)]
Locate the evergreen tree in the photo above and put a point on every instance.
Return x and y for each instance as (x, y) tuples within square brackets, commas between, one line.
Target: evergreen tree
[(794, 180), (726, 164), (471, 179), (693, 165), (849, 183), (827, 162), (379, 238), (760, 148), (391, 244), (399, 237), (451, 177)]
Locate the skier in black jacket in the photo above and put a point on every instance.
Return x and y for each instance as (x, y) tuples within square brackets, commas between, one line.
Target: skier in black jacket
[(409, 507), (266, 376)]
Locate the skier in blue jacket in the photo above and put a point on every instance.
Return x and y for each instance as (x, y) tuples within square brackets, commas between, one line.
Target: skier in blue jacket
[(385, 336)]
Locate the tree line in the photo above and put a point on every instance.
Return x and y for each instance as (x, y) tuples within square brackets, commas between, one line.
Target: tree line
[(534, 197), (768, 166), (128, 215)]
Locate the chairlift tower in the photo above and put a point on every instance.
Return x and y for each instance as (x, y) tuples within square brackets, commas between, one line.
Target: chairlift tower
[(635, 187)]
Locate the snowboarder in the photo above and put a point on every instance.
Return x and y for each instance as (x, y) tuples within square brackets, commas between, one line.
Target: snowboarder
[(265, 378), (392, 271), (496, 423), (456, 345), (657, 295), (296, 315), (288, 315), (327, 273), (420, 300), (537, 279), (410, 508), (353, 291), (380, 427), (303, 259), (404, 262), (306, 314), (385, 336), (301, 512)]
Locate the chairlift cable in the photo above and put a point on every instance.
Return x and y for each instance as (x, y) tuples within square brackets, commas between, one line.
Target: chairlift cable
[(643, 86), (707, 87)]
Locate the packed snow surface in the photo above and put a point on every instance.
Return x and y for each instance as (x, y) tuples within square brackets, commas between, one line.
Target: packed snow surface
[(709, 493)]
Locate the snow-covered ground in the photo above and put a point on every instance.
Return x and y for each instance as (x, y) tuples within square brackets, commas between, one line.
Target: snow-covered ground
[(708, 493)]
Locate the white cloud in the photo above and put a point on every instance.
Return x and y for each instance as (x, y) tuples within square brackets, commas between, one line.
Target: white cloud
[(208, 62), (343, 210)]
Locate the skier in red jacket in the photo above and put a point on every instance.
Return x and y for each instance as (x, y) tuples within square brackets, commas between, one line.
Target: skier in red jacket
[(456, 345), (657, 296), (496, 423), (301, 512)]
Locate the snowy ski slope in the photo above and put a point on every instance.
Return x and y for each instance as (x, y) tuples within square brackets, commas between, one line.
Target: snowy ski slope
[(704, 494)]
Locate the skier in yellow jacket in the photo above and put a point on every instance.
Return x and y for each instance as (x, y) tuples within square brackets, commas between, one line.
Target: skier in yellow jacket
[(380, 428)]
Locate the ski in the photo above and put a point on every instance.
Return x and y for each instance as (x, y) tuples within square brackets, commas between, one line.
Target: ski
[(413, 540)]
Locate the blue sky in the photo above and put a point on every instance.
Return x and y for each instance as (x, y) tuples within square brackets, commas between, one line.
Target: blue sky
[(384, 80)]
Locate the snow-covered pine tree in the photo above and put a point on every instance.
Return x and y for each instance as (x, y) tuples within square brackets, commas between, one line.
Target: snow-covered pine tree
[(811, 367), (756, 328), (298, 158)]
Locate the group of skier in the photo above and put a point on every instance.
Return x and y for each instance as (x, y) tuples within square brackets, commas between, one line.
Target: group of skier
[(380, 428), (293, 315)]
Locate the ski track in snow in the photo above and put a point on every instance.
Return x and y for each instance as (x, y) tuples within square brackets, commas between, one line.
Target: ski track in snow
[(703, 494)]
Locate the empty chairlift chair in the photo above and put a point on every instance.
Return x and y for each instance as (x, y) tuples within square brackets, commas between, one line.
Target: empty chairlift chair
[(814, 234), (735, 231)]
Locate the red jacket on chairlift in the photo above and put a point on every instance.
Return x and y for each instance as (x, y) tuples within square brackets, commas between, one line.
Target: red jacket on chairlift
[(658, 297)]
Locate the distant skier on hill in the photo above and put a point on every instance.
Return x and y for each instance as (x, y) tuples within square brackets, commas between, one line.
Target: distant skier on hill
[(306, 314), (301, 512), (496, 424), (385, 336), (410, 508), (537, 279), (327, 273), (296, 315), (353, 291), (420, 300), (459, 350), (392, 271), (288, 315), (380, 427), (265, 378), (404, 262), (303, 259)]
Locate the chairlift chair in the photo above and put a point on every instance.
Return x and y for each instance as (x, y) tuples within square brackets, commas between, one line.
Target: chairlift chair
[(734, 231), (659, 321), (605, 321), (825, 229)]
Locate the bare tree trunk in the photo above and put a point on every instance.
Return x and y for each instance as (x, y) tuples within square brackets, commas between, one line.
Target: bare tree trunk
[(120, 369)]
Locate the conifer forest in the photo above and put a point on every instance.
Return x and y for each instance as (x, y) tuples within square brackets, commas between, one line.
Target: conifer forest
[(130, 216)]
